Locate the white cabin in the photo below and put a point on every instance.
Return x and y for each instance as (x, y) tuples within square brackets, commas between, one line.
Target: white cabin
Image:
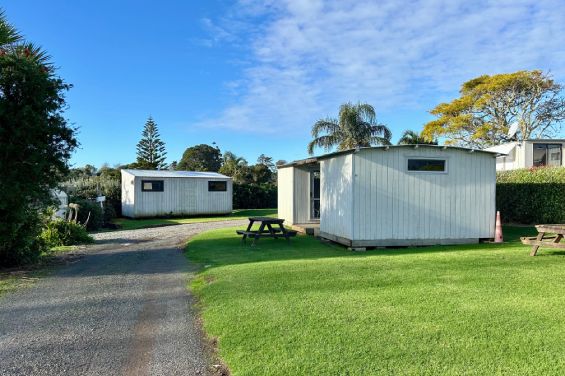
[(148, 193), (393, 195), (529, 153)]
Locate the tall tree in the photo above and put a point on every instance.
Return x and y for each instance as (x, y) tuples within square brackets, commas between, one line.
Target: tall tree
[(36, 140), (235, 166), (201, 158), (488, 105), (410, 137), (356, 126), (151, 152)]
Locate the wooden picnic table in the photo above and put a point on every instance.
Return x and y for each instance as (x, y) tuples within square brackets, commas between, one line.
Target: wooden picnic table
[(543, 240), (268, 232)]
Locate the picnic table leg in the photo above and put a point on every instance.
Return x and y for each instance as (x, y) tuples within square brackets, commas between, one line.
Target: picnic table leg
[(244, 239), (271, 231), (536, 247), (284, 232), (258, 234)]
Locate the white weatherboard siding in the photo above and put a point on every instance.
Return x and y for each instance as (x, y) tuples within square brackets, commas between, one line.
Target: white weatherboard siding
[(395, 206), (128, 192), (285, 194), (336, 201), (301, 195), (182, 194)]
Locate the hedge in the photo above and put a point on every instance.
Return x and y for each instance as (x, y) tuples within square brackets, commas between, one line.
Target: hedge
[(531, 196), (254, 196)]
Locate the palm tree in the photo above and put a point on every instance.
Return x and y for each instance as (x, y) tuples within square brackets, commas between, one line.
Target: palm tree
[(235, 166), (355, 127), (410, 137), (11, 41)]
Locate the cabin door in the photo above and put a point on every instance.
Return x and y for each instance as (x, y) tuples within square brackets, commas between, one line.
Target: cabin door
[(315, 195)]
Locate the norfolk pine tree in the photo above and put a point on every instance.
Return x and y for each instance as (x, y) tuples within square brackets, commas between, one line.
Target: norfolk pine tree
[(151, 152)]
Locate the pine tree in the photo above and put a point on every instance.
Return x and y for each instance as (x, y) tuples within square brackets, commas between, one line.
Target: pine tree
[(151, 152)]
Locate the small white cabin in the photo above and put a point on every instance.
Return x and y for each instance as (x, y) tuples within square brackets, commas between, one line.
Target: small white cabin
[(529, 153), (148, 193), (393, 195)]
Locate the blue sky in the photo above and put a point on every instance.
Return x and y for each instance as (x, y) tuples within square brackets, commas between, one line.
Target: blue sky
[(253, 76)]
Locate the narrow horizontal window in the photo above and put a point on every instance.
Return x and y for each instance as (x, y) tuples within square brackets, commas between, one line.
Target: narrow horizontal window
[(433, 165), (152, 185), (217, 186)]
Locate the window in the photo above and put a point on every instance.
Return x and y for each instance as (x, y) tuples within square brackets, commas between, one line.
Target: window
[(426, 165), (152, 186), (547, 155), (217, 186)]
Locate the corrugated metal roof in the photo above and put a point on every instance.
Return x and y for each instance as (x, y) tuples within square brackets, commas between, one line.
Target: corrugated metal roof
[(330, 155), (175, 174)]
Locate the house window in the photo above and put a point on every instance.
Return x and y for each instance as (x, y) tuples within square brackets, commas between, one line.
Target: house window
[(547, 155), (217, 186), (426, 165), (152, 185)]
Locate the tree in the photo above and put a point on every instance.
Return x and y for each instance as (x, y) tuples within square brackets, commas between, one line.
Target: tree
[(151, 152), (281, 162), (488, 105), (355, 127), (201, 158), (410, 137), (36, 140), (236, 167)]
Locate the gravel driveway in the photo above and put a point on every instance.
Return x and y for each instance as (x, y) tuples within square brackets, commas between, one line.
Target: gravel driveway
[(120, 309)]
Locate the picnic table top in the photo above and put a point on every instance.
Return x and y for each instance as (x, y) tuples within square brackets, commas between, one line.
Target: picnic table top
[(555, 228), (266, 219)]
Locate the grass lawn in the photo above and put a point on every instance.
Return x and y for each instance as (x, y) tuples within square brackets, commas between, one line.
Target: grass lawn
[(132, 224), (311, 308)]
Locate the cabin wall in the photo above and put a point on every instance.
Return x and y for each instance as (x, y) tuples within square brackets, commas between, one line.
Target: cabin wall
[(182, 196), (285, 194), (336, 200), (301, 195), (128, 194), (392, 206)]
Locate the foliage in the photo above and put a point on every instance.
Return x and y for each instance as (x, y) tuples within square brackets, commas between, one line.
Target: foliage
[(355, 127), (59, 232), (235, 167), (410, 137), (531, 196), (254, 196), (87, 207), (151, 154), (36, 143), (201, 158), (488, 105), (312, 308), (108, 184)]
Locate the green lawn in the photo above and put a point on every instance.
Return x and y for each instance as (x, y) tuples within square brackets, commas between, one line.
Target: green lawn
[(310, 308), (132, 224)]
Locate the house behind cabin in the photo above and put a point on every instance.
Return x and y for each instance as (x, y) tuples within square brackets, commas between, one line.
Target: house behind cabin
[(147, 193), (393, 196), (529, 153)]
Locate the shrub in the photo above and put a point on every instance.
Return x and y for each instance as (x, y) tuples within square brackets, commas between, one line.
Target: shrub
[(60, 232), (254, 196), (88, 188), (96, 220), (532, 196)]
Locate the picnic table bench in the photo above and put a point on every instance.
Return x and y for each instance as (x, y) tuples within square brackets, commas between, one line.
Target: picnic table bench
[(268, 232), (551, 241)]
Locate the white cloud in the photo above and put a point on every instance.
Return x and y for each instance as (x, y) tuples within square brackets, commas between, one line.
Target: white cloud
[(307, 57)]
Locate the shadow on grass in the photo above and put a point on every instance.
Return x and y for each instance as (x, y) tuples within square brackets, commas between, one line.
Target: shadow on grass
[(224, 247)]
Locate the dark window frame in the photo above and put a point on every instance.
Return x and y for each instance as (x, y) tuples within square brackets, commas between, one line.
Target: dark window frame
[(212, 183), (442, 171), (160, 185), (546, 145)]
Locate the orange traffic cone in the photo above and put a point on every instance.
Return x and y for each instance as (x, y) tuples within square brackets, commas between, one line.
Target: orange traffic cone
[(498, 229)]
